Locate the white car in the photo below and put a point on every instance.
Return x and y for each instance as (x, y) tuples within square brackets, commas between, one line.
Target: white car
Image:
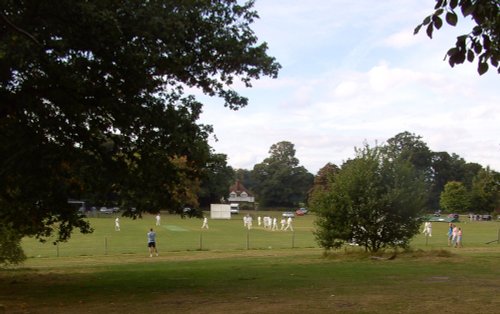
[(109, 210), (288, 214), (234, 208)]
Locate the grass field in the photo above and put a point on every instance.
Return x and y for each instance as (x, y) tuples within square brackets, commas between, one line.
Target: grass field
[(255, 271)]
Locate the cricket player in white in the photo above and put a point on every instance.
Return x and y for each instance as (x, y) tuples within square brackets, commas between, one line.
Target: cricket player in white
[(427, 229), (205, 223), (117, 224), (289, 224), (158, 219), (275, 224)]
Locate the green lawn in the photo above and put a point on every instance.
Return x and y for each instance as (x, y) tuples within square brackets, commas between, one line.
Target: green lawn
[(269, 277), (177, 234)]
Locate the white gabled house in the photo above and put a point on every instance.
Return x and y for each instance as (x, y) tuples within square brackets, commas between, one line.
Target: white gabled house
[(238, 193)]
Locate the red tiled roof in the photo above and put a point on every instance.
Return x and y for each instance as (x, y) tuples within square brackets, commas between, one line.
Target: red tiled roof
[(238, 188)]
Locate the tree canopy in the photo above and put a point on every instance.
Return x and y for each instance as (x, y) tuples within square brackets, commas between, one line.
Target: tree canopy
[(374, 201), (93, 102), (483, 42), (279, 180), (218, 176), (455, 198), (485, 191)]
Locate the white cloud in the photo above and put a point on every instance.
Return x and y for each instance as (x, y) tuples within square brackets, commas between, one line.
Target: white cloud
[(354, 72), (403, 39)]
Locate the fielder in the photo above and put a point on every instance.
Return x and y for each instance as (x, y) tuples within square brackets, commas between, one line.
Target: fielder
[(205, 223), (427, 229), (152, 243), (289, 224), (282, 223), (249, 222), (275, 224)]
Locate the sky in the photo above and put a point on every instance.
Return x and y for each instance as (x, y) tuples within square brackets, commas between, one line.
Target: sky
[(354, 73)]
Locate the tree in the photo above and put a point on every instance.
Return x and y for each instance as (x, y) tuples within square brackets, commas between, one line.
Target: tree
[(322, 181), (218, 176), (445, 168), (93, 102), (322, 178), (279, 180), (482, 42), (245, 177), (374, 200), (455, 198), (485, 191), (410, 147)]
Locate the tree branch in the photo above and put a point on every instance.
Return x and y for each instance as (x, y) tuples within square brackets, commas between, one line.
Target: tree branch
[(19, 30)]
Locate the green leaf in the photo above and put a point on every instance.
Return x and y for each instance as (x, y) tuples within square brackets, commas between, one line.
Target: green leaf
[(470, 55), (438, 22), (461, 40), (452, 61), (477, 30), (486, 42), (477, 47), (451, 18), (453, 4), (439, 3), (417, 29), (482, 68), (429, 30), (467, 8), (427, 20), (452, 52)]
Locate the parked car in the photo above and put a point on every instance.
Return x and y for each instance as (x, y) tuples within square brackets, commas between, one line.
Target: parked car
[(188, 210), (486, 217), (288, 214), (109, 210), (234, 208), (301, 211), (191, 212), (106, 210)]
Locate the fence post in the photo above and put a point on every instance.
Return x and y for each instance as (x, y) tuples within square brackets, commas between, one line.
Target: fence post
[(248, 239)]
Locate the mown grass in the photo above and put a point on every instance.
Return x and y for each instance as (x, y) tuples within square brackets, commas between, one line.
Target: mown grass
[(177, 234), (174, 234), (229, 278)]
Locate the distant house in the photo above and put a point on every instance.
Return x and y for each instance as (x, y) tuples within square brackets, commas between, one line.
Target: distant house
[(238, 193)]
